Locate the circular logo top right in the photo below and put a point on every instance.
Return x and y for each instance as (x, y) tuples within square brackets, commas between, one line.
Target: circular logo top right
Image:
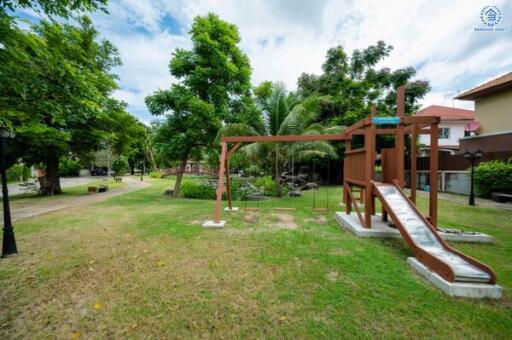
[(490, 15)]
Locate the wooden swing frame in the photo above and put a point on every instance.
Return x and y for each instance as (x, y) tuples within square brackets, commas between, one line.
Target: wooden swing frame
[(358, 163)]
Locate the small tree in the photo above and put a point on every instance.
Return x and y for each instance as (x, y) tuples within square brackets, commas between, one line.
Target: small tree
[(120, 166)]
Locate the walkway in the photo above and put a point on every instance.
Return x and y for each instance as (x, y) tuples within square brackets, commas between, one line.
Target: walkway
[(460, 199), (44, 206), (65, 182)]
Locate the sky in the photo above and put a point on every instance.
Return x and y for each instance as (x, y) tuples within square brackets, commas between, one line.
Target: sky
[(284, 38)]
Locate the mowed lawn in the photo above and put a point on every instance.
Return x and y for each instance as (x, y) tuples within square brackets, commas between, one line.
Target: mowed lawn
[(140, 266)]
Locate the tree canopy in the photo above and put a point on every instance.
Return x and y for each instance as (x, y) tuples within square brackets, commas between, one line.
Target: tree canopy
[(57, 82), (354, 84), (214, 79)]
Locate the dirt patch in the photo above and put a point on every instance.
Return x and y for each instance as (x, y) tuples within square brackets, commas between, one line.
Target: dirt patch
[(340, 252), (285, 221), (332, 276), (251, 217), (321, 219)]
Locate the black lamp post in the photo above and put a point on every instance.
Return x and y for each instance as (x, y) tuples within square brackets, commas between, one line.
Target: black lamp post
[(142, 171), (472, 157), (9, 242)]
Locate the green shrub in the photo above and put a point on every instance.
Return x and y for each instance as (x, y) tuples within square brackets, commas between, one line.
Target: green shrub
[(120, 166), (156, 174), (204, 191), (18, 173), (69, 167), (266, 183), (493, 176)]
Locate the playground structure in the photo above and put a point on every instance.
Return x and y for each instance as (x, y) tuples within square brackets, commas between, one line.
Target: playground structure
[(452, 270)]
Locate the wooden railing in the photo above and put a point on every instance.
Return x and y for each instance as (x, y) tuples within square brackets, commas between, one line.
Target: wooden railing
[(388, 165), (355, 165)]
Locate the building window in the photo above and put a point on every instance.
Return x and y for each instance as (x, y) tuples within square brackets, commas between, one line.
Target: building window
[(444, 133)]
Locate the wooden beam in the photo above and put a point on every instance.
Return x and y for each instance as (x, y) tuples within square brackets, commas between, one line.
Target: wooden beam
[(228, 185), (233, 149), (400, 102), (420, 120), (283, 138), (362, 123)]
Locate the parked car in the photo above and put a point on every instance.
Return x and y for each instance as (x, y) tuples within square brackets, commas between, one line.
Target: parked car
[(99, 172)]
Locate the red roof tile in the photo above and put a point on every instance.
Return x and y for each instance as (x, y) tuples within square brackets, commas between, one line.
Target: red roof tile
[(447, 113), (500, 83)]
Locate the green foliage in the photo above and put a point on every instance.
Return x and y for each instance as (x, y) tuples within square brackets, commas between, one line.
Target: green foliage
[(56, 91), (69, 167), (63, 8), (267, 184), (156, 174), (214, 80), (120, 166), (493, 176), (18, 173), (354, 84), (195, 190)]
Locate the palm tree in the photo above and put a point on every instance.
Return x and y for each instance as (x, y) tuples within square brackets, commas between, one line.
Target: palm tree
[(287, 114)]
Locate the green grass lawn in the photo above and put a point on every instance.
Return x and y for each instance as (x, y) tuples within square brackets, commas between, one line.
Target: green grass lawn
[(140, 266)]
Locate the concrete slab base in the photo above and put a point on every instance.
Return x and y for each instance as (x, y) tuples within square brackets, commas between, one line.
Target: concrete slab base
[(459, 289), (214, 225), (232, 209), (382, 229)]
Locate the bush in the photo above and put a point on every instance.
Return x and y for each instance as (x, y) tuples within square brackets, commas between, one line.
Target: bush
[(120, 166), (18, 173), (69, 167), (203, 191), (156, 174), (493, 176)]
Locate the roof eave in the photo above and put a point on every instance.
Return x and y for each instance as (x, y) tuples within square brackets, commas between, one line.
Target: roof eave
[(469, 95)]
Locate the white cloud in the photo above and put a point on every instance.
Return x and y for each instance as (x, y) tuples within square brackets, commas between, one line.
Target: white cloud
[(284, 38)]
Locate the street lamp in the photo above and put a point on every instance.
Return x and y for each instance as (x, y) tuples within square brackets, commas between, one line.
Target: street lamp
[(472, 157), (142, 171), (9, 242)]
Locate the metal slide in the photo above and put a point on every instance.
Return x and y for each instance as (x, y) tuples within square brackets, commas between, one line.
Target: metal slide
[(428, 246)]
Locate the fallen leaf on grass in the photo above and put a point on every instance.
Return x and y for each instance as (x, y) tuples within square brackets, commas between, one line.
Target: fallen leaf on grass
[(283, 318), (161, 263), (75, 335), (97, 306)]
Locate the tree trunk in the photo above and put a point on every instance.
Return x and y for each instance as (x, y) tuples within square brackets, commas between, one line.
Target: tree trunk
[(179, 176), (50, 183)]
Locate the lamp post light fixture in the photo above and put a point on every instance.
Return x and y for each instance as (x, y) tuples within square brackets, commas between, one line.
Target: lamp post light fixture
[(472, 157), (9, 242)]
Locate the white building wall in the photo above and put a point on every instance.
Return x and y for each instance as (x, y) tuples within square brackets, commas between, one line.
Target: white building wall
[(456, 132)]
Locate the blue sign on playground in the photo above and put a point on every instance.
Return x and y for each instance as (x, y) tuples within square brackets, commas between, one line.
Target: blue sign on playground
[(385, 120)]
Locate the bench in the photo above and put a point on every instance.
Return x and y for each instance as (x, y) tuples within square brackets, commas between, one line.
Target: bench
[(119, 179), (100, 188), (501, 197)]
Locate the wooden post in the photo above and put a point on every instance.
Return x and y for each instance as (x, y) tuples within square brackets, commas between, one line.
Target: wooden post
[(228, 184), (414, 156), (373, 129), (346, 186), (399, 136), (369, 142), (434, 135), (220, 183)]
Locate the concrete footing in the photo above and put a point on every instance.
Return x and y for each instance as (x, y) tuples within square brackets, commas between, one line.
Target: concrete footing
[(232, 209), (381, 229), (459, 289), (213, 224)]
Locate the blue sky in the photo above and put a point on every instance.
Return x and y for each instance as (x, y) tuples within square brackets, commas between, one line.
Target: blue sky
[(284, 38)]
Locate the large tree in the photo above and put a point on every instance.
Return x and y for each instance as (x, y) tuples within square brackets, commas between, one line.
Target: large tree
[(354, 84), (56, 83), (214, 87), (62, 8)]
